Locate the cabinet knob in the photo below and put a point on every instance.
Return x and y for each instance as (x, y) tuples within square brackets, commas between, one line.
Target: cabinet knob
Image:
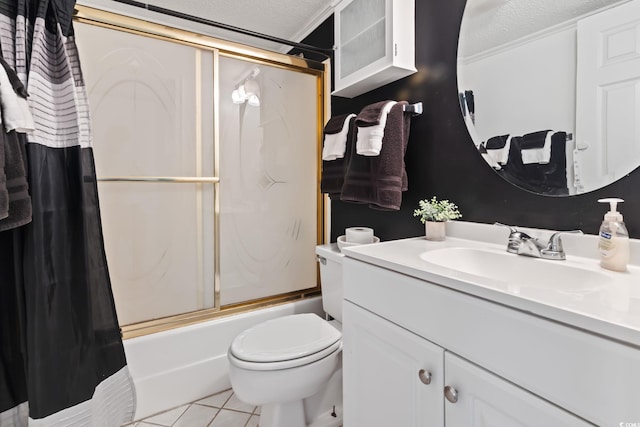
[(425, 376), (451, 394)]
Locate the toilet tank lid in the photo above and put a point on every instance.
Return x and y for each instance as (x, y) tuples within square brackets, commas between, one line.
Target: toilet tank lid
[(285, 338), (330, 251)]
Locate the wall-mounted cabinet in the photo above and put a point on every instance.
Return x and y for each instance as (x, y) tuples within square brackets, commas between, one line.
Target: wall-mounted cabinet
[(375, 44)]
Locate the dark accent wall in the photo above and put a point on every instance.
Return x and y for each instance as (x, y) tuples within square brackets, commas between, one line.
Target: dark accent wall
[(441, 159)]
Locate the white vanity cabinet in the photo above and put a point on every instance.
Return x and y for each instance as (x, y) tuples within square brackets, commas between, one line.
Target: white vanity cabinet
[(507, 366), (375, 44), (392, 377)]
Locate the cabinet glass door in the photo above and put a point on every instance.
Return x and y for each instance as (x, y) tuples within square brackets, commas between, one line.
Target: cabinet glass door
[(363, 35)]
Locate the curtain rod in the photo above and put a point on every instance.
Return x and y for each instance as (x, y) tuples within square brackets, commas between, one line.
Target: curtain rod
[(176, 14)]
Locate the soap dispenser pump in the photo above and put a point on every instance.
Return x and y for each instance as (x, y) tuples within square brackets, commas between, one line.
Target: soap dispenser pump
[(613, 242)]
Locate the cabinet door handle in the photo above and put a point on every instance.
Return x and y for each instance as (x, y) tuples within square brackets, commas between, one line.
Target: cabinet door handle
[(451, 394), (425, 376)]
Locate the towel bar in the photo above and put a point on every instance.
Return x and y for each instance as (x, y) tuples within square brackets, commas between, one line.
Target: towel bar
[(175, 179), (414, 109)]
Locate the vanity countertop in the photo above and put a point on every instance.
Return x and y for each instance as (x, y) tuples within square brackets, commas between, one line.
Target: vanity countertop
[(596, 300)]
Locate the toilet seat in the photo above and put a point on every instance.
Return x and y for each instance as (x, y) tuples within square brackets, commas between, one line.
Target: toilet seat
[(285, 342)]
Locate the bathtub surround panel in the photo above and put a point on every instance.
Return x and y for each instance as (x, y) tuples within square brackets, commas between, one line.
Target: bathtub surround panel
[(441, 159), (182, 365)]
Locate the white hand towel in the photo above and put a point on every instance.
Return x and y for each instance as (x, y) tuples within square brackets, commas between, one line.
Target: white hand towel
[(538, 155), (15, 109), (501, 155), (335, 144), (490, 160), (369, 139)]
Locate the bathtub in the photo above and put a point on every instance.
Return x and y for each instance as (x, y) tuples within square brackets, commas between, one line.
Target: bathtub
[(181, 365)]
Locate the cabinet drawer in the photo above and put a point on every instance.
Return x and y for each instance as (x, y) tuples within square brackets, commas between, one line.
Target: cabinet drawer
[(588, 375)]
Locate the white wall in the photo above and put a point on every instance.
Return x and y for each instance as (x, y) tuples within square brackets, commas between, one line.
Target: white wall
[(517, 93)]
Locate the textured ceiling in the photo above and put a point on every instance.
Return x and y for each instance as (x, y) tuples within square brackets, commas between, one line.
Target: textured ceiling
[(490, 23), (280, 18), (486, 23), (286, 19)]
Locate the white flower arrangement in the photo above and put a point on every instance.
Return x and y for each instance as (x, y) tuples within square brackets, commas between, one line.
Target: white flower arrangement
[(436, 211)]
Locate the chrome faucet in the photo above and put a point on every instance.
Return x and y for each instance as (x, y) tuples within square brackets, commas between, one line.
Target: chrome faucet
[(521, 243)]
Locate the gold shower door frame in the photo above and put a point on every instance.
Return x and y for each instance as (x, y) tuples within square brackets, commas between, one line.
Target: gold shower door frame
[(321, 71)]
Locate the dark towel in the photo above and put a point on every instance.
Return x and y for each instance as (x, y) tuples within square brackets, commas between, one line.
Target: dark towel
[(333, 171), (334, 125), (533, 140), (496, 142), (380, 180), (16, 184), (370, 115), (471, 105), (4, 193), (549, 179)]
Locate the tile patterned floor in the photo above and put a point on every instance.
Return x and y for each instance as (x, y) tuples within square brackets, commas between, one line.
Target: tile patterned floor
[(219, 410)]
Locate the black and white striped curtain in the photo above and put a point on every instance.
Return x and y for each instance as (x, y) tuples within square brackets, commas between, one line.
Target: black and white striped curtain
[(62, 362)]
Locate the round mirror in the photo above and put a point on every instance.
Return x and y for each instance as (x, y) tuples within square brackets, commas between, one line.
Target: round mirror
[(550, 90)]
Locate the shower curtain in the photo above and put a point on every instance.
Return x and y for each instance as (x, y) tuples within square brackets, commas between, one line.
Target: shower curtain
[(62, 360)]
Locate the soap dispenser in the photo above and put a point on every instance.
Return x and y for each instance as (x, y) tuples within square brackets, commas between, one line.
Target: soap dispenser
[(613, 242)]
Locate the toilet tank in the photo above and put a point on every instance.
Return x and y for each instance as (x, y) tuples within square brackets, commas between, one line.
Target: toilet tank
[(330, 259)]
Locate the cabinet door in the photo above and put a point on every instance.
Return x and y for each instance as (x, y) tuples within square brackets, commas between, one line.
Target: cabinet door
[(375, 44), (484, 399), (386, 369)]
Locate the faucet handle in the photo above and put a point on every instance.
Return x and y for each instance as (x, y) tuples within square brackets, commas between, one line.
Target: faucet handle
[(516, 238), (511, 228), (554, 248), (515, 233), (555, 244)]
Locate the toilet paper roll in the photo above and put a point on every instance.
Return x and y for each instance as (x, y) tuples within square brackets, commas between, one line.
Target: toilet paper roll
[(359, 235)]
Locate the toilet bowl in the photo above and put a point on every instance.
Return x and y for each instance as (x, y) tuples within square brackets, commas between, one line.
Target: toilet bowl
[(291, 365)]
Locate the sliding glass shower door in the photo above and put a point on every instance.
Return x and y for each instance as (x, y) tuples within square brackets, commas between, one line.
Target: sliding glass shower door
[(268, 158), (207, 162)]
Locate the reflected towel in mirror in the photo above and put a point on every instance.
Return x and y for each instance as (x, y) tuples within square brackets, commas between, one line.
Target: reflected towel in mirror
[(498, 148), (536, 147)]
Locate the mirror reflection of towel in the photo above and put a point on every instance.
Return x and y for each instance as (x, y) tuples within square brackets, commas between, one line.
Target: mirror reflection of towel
[(545, 178), (498, 147), (536, 147)]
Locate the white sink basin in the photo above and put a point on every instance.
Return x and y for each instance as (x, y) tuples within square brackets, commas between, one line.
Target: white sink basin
[(520, 274)]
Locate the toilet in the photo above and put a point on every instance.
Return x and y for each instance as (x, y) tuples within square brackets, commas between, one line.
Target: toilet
[(291, 366)]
